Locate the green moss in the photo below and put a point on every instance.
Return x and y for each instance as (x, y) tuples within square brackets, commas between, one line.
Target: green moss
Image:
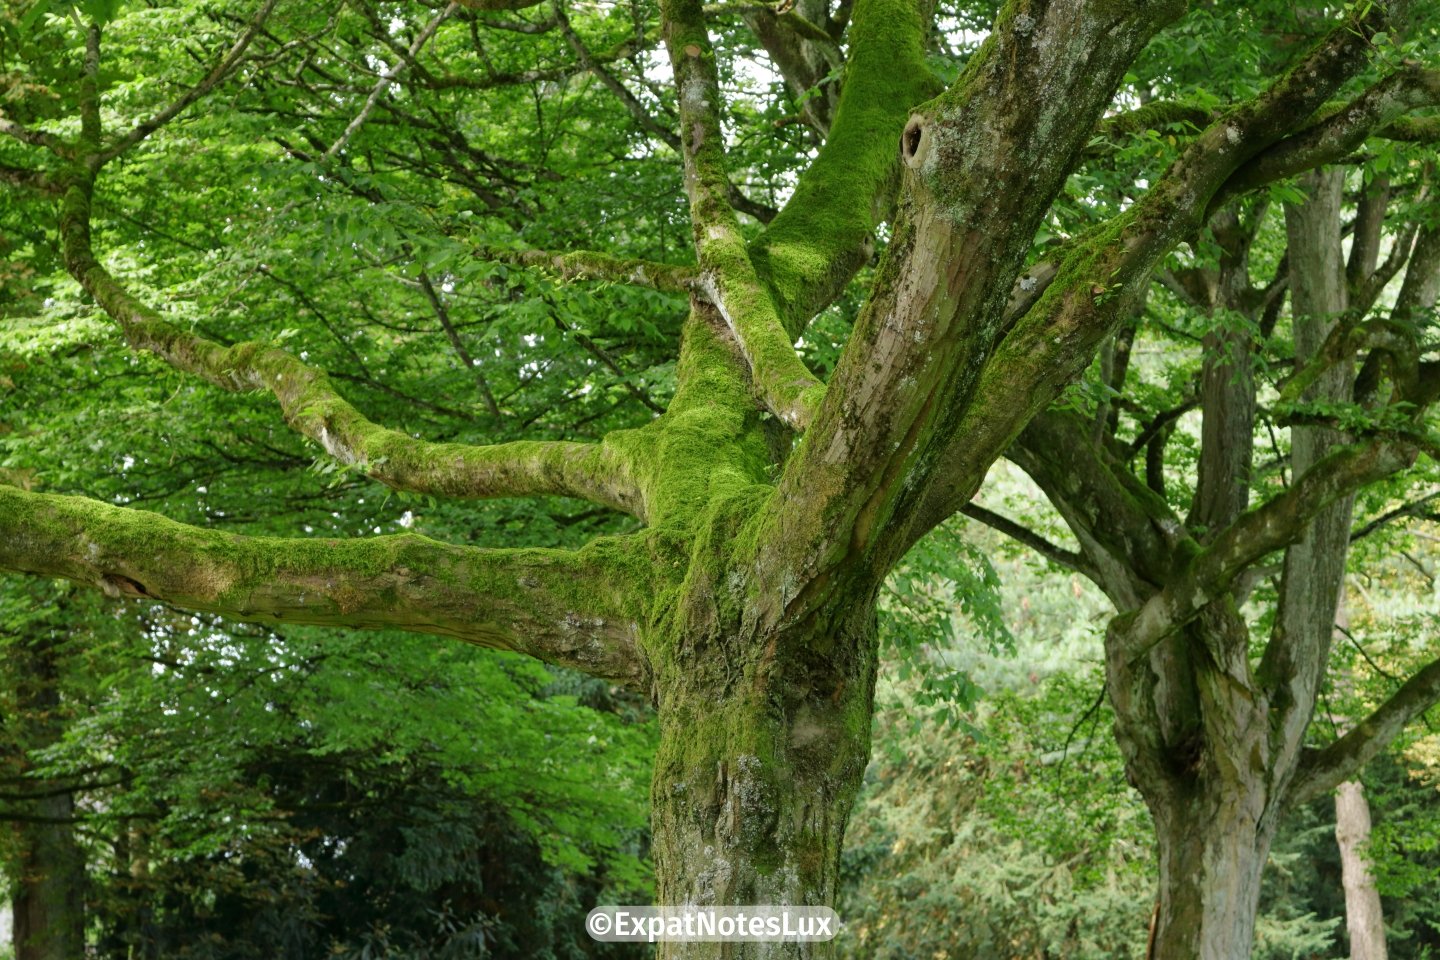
[(822, 236)]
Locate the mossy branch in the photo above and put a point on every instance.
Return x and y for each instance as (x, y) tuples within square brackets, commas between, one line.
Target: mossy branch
[(593, 265), (312, 406), (576, 609), (825, 232), (1098, 277), (492, 5), (1269, 527), (729, 278), (1338, 134), (1323, 770)]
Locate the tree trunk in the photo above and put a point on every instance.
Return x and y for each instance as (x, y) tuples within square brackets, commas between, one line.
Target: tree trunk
[(49, 897), (1363, 916), (761, 755), (1211, 857), (1194, 739), (49, 902)]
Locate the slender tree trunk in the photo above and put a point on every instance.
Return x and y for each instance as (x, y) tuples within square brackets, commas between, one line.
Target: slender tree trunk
[(761, 756), (49, 897), (48, 902), (1364, 918)]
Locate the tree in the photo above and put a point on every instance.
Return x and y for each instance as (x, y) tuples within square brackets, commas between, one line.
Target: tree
[(767, 502), (185, 790)]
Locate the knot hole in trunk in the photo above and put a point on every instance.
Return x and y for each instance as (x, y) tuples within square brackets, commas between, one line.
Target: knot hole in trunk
[(912, 140)]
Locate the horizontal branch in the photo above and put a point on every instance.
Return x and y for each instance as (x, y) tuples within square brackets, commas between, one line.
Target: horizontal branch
[(1411, 130), (1417, 509), (1323, 770), (576, 609), (35, 138), (30, 180), (313, 407), (500, 4), (593, 265), (1154, 116)]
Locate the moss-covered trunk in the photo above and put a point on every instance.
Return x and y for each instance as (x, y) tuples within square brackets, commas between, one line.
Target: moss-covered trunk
[(764, 741)]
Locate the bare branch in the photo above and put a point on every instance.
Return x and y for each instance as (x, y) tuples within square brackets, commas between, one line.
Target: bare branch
[(593, 265), (451, 334), (388, 77), (1031, 539), (35, 138), (1417, 509)]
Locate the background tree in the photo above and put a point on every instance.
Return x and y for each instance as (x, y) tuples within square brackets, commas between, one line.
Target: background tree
[(388, 150), (1214, 718), (240, 793)]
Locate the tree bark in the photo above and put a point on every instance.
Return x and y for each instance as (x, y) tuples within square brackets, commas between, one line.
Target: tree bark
[(1364, 918), (49, 902), (1211, 858), (764, 739), (49, 897)]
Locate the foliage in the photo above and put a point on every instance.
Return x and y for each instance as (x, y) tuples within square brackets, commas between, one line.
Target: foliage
[(253, 794)]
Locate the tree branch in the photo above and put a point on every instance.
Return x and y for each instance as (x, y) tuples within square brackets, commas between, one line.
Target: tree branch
[(387, 78), (633, 106), (220, 71), (825, 232), (35, 138), (312, 406), (593, 265), (728, 276), (1338, 134), (577, 609), (1323, 770), (1031, 539), (499, 4), (1415, 508), (35, 180), (1101, 274), (453, 335), (1273, 525)]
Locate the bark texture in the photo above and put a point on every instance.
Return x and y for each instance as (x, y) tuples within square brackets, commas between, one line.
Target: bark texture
[(1364, 918), (773, 504)]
